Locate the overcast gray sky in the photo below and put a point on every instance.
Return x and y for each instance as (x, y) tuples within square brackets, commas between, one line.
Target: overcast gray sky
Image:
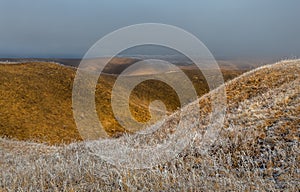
[(229, 28)]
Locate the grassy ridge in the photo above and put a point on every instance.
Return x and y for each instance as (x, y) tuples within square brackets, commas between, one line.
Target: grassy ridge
[(35, 101)]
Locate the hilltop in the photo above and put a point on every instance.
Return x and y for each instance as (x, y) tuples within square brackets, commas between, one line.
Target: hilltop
[(258, 148)]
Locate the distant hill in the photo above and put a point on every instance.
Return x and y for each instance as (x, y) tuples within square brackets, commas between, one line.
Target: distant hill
[(258, 148), (116, 65)]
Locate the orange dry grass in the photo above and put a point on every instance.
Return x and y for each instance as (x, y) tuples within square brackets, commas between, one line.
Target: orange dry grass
[(35, 101)]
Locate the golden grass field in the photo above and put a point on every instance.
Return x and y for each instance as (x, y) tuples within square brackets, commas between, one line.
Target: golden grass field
[(257, 149), (35, 101)]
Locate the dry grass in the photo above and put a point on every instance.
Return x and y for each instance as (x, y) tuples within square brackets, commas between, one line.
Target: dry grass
[(258, 149), (35, 101)]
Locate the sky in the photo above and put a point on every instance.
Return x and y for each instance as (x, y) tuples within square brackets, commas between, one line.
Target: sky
[(229, 28)]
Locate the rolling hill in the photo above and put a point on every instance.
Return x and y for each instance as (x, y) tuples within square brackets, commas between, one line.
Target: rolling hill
[(258, 148), (35, 100)]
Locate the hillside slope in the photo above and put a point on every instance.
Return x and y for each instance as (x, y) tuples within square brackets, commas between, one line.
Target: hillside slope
[(36, 100), (258, 149)]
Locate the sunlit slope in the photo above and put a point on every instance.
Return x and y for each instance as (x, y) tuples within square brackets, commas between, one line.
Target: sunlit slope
[(35, 101)]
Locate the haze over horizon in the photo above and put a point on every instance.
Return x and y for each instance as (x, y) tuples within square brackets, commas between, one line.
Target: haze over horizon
[(230, 28)]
